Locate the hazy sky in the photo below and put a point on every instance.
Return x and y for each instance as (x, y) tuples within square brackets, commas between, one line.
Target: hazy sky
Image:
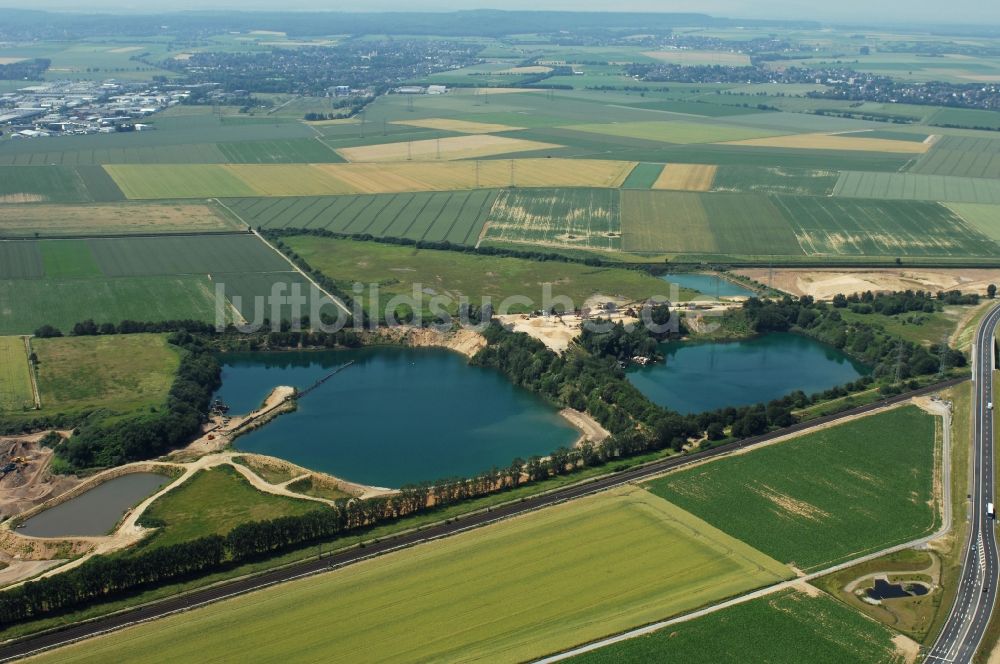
[(972, 12)]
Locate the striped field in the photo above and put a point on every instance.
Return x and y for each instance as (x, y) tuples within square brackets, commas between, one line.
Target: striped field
[(455, 217), (917, 187), (552, 217)]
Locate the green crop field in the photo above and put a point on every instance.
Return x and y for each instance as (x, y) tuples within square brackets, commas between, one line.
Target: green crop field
[(658, 221), (213, 502), (785, 628), (399, 269), (181, 255), (963, 156), (31, 303), (193, 153), (983, 218), (749, 223), (68, 259), (20, 260), (677, 222), (966, 117), (41, 184), (810, 226), (63, 282), (825, 497), (578, 571), (643, 176), (243, 291), (677, 131), (456, 217), (705, 108), (917, 186), (15, 375), (793, 181), (115, 372), (184, 181), (138, 256), (305, 150), (557, 217), (832, 226), (100, 187)]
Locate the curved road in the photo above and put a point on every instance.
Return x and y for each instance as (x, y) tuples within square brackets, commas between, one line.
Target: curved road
[(79, 631), (970, 616)]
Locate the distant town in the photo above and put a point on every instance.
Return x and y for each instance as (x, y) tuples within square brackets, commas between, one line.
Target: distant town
[(83, 107)]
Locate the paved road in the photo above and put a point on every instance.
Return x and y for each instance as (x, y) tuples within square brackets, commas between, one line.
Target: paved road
[(977, 589), (76, 632)]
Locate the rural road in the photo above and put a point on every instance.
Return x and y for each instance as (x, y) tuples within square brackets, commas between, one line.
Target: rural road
[(970, 616), (79, 631)]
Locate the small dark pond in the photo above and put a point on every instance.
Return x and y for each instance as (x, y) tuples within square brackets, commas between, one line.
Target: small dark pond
[(885, 590)]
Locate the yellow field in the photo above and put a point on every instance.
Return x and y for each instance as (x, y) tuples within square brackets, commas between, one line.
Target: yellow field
[(532, 69), (461, 126), (288, 180), (700, 57), (450, 148), (334, 122), (395, 177), (837, 142), (686, 177), (154, 181), (118, 218), (509, 592), (11, 61)]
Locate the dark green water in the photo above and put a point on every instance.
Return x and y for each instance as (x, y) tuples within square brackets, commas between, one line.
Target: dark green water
[(705, 376), (396, 416)]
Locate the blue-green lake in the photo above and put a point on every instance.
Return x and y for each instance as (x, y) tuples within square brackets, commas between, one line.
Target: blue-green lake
[(705, 376), (395, 416), (709, 284)]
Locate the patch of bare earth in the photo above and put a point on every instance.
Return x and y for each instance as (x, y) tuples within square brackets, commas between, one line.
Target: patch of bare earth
[(907, 648), (590, 429), (790, 505), (466, 342), (823, 284)]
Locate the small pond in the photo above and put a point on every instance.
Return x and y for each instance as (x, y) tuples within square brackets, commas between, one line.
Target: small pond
[(395, 416), (701, 376), (709, 284), (885, 590), (97, 511)]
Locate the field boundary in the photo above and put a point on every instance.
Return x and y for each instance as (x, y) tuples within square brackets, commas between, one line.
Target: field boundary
[(296, 268), (116, 236), (31, 373)]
